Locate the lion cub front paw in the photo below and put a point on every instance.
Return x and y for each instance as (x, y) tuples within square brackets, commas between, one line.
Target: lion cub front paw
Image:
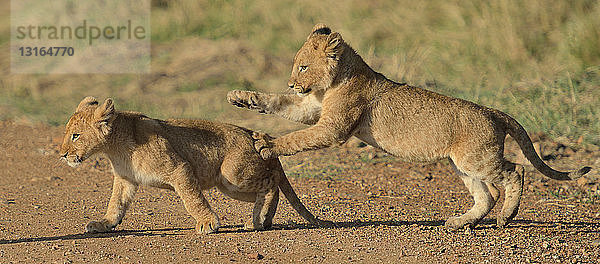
[(263, 145), (207, 226), (246, 99), (455, 223), (99, 227)]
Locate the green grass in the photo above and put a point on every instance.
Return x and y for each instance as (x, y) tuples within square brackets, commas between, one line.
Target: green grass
[(324, 172), (537, 60), (368, 158), (584, 196)]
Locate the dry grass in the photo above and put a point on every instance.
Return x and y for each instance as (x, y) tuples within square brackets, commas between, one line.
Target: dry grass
[(537, 60)]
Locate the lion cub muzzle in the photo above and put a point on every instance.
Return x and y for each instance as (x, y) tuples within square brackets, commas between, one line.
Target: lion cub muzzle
[(299, 89), (72, 160)]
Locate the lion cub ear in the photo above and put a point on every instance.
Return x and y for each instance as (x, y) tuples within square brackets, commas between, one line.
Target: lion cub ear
[(334, 47), (86, 102), (320, 29), (104, 115)]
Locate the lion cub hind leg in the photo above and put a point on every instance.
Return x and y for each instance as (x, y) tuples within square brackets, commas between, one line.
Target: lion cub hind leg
[(513, 177), (484, 202), (266, 217), (264, 210), (494, 191), (196, 204), (484, 192), (270, 207)]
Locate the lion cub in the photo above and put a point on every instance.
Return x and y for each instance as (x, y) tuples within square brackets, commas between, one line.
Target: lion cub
[(186, 156), (341, 96)]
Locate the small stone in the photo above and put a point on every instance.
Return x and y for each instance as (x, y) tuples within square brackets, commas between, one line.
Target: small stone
[(53, 178), (545, 245), (291, 224), (429, 177), (468, 231), (372, 155), (255, 255), (43, 151)]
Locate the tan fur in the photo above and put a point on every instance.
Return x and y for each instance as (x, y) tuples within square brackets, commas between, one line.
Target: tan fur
[(409, 122), (186, 156)]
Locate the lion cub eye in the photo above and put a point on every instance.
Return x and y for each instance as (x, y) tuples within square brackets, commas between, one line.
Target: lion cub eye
[(75, 137), (302, 68)]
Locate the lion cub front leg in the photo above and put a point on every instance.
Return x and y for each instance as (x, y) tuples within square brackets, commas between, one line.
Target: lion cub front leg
[(306, 110), (251, 100), (196, 204), (122, 194)]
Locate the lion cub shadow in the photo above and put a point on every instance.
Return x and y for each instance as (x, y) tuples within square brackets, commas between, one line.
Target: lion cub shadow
[(291, 225), (487, 224), (115, 233)]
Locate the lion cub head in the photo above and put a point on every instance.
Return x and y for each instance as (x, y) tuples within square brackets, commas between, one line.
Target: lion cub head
[(316, 63), (87, 130)]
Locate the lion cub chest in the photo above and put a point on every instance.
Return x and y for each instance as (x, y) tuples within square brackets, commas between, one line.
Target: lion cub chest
[(139, 172)]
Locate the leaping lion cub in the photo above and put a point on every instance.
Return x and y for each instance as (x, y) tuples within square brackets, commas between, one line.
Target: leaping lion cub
[(186, 156), (343, 97)]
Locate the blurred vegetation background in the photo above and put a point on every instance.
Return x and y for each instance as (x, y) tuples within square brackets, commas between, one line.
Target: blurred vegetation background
[(538, 60)]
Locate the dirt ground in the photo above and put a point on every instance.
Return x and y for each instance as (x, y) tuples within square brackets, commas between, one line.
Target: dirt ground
[(387, 211)]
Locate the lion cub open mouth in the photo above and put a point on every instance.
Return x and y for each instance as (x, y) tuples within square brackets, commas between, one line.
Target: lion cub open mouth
[(303, 92)]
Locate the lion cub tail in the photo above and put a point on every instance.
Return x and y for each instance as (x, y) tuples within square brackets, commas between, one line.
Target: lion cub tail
[(292, 197), (517, 131)]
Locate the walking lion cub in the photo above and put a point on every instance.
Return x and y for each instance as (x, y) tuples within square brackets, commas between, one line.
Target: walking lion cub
[(186, 156), (342, 97)]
